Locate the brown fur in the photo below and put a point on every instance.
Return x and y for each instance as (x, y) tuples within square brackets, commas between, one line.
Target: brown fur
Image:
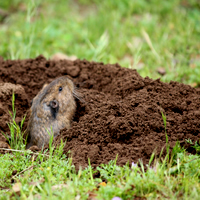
[(51, 109)]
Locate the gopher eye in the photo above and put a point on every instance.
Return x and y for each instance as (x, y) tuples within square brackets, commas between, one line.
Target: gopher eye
[(60, 89)]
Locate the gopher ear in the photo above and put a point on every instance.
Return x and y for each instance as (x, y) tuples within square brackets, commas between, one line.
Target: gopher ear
[(78, 95), (75, 92), (70, 85)]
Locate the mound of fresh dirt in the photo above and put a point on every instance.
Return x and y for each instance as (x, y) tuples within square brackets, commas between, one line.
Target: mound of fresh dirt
[(121, 113)]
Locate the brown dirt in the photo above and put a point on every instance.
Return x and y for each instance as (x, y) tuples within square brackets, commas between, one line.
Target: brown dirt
[(121, 114)]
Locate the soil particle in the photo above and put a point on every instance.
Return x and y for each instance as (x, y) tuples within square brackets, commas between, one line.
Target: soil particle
[(121, 113)]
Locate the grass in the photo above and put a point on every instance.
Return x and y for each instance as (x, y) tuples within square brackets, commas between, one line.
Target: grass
[(16, 139), (140, 34), (54, 177)]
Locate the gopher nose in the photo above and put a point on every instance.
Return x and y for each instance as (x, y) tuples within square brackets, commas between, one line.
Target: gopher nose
[(54, 104)]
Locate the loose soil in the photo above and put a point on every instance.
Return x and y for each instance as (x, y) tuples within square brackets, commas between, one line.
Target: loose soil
[(121, 113)]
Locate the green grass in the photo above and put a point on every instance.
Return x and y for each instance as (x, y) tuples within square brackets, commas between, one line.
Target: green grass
[(39, 175), (137, 34), (16, 138)]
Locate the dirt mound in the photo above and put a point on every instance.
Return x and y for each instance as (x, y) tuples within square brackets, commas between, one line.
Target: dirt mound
[(121, 113)]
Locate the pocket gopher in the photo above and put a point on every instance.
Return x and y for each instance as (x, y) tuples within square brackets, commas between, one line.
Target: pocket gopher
[(52, 110)]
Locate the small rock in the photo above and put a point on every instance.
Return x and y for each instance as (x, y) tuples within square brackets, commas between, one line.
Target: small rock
[(34, 148), (4, 145), (161, 71)]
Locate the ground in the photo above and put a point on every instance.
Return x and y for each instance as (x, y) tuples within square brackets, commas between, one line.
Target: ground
[(133, 136), (121, 115)]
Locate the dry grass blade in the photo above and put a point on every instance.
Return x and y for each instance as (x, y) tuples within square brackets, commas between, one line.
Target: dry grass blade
[(148, 40), (15, 150)]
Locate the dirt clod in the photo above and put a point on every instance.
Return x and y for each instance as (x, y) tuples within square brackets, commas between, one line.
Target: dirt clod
[(121, 113)]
